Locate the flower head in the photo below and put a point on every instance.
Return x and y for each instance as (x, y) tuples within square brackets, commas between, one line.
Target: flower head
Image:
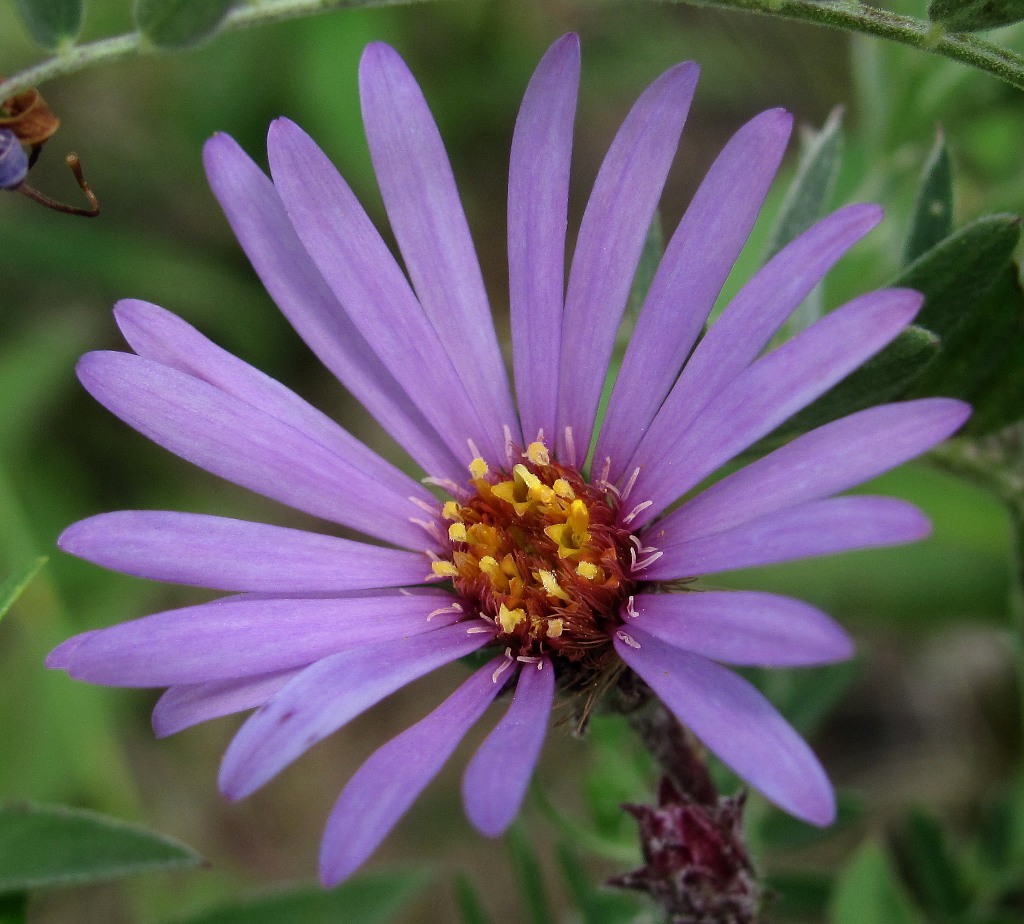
[(556, 565)]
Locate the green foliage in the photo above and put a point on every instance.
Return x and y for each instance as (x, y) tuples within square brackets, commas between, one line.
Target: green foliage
[(13, 908), (370, 899), (528, 867), (13, 587), (932, 218), (52, 23), (869, 892), (471, 906), (595, 905), (180, 23), (974, 15), (931, 869), (44, 846)]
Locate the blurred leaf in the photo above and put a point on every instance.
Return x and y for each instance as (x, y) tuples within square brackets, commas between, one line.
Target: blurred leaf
[(471, 908), (43, 845), (13, 908), (373, 898), (803, 896), (1001, 844), (51, 22), (777, 831), (12, 588), (180, 23), (806, 696), (595, 905), (932, 219), (973, 15), (528, 871), (930, 868), (868, 891)]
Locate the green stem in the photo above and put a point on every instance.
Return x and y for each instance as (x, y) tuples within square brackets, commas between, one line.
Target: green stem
[(858, 17), (118, 47)]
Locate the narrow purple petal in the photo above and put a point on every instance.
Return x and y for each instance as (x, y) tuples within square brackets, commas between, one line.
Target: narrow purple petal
[(736, 722), (243, 636), (13, 160), (679, 452), (330, 693), (696, 263), (833, 458), (254, 210), (496, 779), (241, 443), (60, 657), (360, 270), (822, 527), (154, 333), (742, 627), (611, 237), (426, 215), (182, 707), (383, 788), (538, 201), (225, 554)]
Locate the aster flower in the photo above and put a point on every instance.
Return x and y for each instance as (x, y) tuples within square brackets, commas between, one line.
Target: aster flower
[(555, 566)]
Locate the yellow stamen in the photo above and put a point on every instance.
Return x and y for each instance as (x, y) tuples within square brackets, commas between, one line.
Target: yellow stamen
[(450, 511), (509, 619), (586, 569), (537, 453), (564, 489), (478, 468), (550, 583), (554, 628), (457, 532), (444, 568)]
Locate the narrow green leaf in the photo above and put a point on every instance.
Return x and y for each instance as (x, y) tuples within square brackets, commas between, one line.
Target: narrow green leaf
[(868, 891), (180, 23), (531, 880), (46, 845), (12, 588), (471, 907), (51, 22), (957, 274), (595, 905), (13, 908), (371, 899), (809, 194), (932, 871), (974, 15), (932, 220)]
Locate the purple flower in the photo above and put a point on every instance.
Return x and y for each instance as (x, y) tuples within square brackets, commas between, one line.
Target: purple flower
[(13, 160), (556, 567)]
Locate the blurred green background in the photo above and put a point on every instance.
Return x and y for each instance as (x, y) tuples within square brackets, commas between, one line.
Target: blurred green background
[(931, 716)]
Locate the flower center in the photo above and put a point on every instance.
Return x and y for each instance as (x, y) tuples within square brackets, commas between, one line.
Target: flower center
[(540, 553)]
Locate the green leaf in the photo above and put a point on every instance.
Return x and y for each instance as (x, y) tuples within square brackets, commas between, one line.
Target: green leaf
[(528, 871), (13, 908), (932, 220), (44, 845), (596, 906), (180, 23), (12, 588), (370, 899), (868, 891), (930, 868), (51, 22), (471, 907), (803, 896), (974, 15)]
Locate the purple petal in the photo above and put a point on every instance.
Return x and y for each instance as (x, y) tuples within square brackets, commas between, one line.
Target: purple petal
[(538, 200), (611, 237), (426, 215), (241, 443), (833, 458), (254, 210), (742, 627), (383, 788), (226, 554), (695, 265), (736, 722), (157, 334), (13, 160), (496, 779), (676, 454), (60, 657), (243, 636), (182, 707), (330, 693), (822, 527)]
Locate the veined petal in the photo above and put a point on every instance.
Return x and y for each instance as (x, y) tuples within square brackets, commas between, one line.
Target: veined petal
[(248, 635), (383, 788), (697, 261), (538, 201), (423, 206), (822, 527), (182, 707), (830, 459), (239, 442), (356, 263), (497, 777), (742, 627), (608, 248), (736, 722), (226, 554), (678, 452), (332, 692), (256, 215)]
